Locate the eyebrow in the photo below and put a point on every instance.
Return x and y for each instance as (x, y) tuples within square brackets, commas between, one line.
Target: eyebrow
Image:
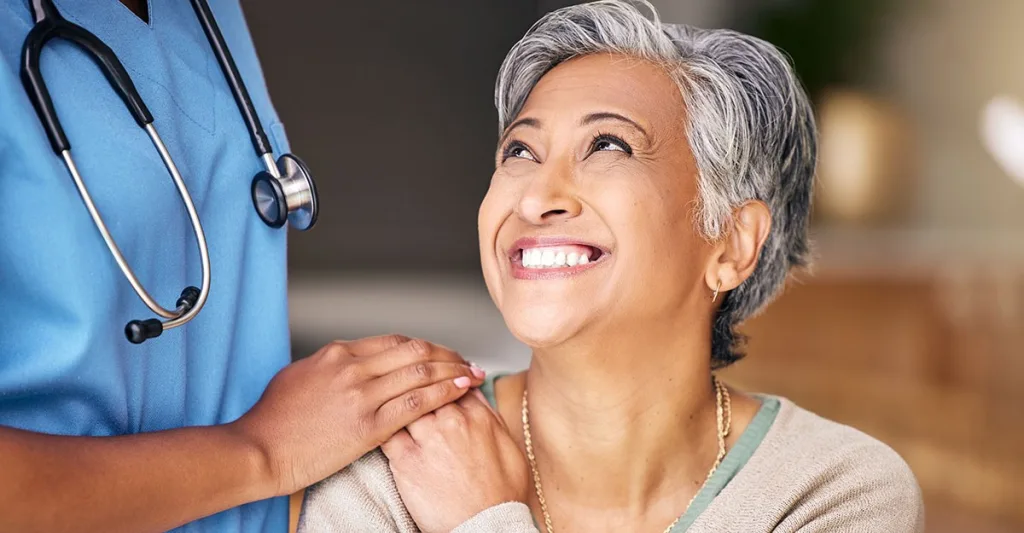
[(590, 118), (526, 121), (598, 117)]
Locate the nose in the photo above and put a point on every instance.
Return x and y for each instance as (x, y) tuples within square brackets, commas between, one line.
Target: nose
[(549, 196)]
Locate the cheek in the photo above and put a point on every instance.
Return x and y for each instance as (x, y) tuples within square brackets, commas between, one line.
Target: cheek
[(497, 206), (493, 211), (680, 249), (671, 225), (653, 221), (648, 218)]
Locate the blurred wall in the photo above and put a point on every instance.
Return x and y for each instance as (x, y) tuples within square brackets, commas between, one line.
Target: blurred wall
[(701, 13), (390, 103), (943, 60)]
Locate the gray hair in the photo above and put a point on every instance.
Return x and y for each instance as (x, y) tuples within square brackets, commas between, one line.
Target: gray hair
[(749, 123)]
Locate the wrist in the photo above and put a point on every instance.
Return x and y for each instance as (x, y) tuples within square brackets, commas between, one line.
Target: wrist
[(262, 479)]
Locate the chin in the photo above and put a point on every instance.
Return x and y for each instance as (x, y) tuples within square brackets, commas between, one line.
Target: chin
[(541, 328)]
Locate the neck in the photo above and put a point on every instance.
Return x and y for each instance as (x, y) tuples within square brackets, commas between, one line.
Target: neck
[(624, 422)]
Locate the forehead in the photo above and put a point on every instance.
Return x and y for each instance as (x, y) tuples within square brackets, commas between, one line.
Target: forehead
[(636, 88)]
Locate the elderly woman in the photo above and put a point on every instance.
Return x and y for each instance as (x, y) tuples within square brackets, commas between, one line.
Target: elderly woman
[(651, 191)]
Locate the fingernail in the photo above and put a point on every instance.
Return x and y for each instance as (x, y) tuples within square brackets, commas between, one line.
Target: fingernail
[(477, 371), (462, 382)]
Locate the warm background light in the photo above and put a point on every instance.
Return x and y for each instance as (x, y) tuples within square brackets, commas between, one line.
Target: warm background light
[(1002, 130)]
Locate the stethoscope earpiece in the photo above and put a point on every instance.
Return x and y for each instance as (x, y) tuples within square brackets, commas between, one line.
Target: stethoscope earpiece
[(138, 331)]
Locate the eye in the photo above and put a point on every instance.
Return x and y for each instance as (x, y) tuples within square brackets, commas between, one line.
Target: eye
[(518, 150), (605, 142)]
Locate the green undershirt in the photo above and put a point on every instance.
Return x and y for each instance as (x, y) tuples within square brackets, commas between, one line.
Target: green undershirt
[(731, 464)]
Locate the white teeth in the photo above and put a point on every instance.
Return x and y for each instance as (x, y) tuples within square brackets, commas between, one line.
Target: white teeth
[(527, 258), (552, 258), (532, 258)]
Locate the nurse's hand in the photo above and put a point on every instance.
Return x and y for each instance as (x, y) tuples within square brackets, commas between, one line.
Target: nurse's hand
[(321, 413), (452, 464)]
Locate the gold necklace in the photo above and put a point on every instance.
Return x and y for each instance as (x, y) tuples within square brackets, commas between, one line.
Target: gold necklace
[(723, 413)]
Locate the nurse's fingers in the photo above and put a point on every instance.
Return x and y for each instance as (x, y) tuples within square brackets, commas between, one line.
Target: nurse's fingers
[(373, 345), (403, 410), (419, 375), (410, 352)]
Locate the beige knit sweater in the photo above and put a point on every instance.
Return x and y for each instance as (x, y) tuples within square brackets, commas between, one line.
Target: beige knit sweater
[(808, 475)]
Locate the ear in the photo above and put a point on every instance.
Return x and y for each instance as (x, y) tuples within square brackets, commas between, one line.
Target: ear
[(735, 256)]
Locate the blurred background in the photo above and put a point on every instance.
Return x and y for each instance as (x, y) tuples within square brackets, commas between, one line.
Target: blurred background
[(911, 325)]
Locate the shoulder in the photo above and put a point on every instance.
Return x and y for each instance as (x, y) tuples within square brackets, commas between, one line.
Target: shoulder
[(814, 474), (802, 437), (845, 467)]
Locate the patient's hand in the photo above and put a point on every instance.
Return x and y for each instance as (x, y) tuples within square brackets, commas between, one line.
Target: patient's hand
[(456, 462)]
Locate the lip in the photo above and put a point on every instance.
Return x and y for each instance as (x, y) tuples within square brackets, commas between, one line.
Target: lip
[(521, 272)]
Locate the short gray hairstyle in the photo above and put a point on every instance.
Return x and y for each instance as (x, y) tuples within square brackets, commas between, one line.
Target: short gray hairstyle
[(749, 123)]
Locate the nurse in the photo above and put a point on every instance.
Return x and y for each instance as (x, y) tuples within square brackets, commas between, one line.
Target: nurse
[(206, 424)]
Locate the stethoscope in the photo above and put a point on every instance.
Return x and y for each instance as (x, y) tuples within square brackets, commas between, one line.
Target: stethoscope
[(284, 192)]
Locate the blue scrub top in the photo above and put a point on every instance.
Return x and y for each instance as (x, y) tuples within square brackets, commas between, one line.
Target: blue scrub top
[(65, 366)]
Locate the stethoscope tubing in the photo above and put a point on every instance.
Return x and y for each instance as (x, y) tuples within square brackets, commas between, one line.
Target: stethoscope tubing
[(49, 24), (178, 316)]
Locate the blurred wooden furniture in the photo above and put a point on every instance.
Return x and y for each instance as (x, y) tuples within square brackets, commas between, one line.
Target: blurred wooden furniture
[(928, 359)]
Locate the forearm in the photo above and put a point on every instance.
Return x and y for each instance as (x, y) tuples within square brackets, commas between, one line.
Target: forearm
[(133, 483)]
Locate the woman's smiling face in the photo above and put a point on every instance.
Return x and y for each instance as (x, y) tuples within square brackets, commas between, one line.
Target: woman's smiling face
[(589, 220)]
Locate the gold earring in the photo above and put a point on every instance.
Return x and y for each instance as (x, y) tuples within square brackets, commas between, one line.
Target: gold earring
[(718, 288)]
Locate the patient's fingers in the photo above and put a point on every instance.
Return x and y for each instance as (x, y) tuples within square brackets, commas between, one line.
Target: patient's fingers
[(399, 443)]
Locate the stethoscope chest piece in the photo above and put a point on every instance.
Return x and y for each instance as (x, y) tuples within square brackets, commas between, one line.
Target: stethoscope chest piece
[(289, 197)]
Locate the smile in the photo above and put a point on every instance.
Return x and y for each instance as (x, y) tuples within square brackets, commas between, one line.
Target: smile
[(553, 258)]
